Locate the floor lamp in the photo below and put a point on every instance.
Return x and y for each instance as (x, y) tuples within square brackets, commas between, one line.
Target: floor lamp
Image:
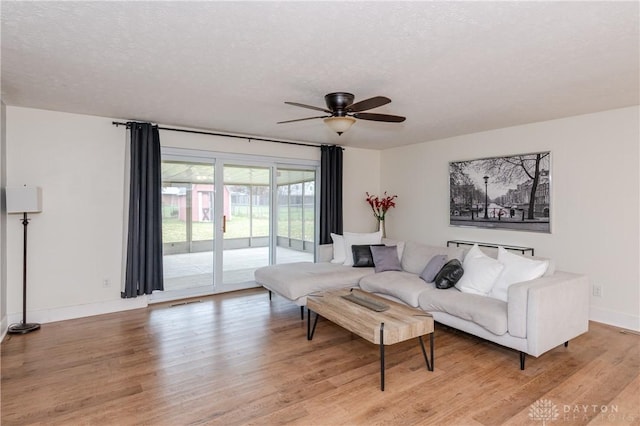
[(24, 200)]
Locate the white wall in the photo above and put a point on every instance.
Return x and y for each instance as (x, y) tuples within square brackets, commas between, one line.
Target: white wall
[(76, 242), (234, 145), (361, 175), (3, 223), (595, 199)]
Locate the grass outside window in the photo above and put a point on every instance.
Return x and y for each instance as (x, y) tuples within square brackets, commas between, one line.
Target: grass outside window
[(174, 229)]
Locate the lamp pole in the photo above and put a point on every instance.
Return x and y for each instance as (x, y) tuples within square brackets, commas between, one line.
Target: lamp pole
[(486, 198), (24, 200)]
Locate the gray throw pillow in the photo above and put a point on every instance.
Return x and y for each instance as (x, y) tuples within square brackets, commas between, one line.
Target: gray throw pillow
[(433, 267), (385, 258)]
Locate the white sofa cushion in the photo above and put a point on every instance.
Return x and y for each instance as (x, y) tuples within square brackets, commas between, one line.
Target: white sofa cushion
[(416, 256), (402, 285), (294, 280), (480, 272), (487, 312), (516, 269)]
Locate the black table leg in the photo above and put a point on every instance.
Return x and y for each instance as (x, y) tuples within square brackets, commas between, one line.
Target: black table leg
[(430, 365), (382, 357), (431, 345), (311, 331)]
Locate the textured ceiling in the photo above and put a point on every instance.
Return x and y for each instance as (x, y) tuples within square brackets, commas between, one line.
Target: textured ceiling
[(450, 67)]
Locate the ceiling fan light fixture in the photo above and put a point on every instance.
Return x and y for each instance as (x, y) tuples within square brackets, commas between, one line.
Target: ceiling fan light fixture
[(339, 124)]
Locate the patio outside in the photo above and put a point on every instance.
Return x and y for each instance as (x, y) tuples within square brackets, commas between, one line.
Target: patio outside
[(189, 270)]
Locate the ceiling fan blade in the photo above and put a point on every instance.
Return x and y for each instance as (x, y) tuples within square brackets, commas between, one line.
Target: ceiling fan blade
[(370, 103), (301, 119), (308, 106), (380, 117)]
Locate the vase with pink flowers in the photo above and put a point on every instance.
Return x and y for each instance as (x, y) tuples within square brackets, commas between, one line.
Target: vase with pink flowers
[(380, 205)]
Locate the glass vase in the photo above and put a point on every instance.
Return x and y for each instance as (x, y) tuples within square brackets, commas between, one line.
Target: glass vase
[(382, 228)]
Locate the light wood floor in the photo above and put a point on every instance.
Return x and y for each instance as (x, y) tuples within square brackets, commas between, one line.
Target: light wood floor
[(240, 359)]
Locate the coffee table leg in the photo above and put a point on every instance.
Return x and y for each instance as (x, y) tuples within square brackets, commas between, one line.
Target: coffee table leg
[(311, 331), (431, 345), (382, 357), (430, 366)]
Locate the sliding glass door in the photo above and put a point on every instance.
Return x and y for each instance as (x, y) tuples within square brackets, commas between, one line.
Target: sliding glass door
[(246, 222), (224, 218), (187, 224), (296, 210)]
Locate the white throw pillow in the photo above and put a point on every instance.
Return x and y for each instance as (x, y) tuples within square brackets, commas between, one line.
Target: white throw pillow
[(480, 272), (338, 248), (353, 238), (517, 269)]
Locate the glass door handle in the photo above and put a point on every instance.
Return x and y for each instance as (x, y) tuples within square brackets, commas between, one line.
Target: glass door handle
[(224, 224)]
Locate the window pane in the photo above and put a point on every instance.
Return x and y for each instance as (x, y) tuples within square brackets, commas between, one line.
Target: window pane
[(187, 225), (246, 235), (296, 215)]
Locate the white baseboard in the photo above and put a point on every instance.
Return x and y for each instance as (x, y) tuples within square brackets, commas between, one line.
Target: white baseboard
[(79, 311), (617, 319)]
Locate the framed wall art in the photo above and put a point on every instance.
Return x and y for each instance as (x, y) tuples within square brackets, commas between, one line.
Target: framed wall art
[(511, 192)]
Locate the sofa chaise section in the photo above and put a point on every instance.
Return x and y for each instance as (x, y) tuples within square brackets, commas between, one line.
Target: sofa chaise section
[(295, 281)]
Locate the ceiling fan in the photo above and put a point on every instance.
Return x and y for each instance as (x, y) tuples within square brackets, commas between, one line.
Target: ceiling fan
[(343, 112)]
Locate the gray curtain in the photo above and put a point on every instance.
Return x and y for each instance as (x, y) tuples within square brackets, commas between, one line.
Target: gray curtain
[(144, 240), (330, 192)]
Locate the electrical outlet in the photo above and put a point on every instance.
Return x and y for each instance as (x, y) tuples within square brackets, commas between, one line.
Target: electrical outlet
[(106, 283), (597, 290)]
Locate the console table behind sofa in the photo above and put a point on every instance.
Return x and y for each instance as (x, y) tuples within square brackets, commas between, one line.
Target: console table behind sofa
[(522, 250)]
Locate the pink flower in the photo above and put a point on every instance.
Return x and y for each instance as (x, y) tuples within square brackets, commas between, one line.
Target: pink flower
[(381, 205)]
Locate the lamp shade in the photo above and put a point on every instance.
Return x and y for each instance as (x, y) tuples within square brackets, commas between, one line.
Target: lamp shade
[(24, 199), (339, 124)]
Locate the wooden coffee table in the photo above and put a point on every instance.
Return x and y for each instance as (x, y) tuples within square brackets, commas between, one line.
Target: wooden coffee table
[(397, 324)]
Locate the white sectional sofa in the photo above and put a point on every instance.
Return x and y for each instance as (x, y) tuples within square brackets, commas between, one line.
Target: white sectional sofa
[(537, 316)]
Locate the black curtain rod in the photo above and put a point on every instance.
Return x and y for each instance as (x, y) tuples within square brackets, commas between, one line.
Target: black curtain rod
[(249, 138)]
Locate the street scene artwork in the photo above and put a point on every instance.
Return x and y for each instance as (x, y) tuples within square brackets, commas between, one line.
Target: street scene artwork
[(502, 192)]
